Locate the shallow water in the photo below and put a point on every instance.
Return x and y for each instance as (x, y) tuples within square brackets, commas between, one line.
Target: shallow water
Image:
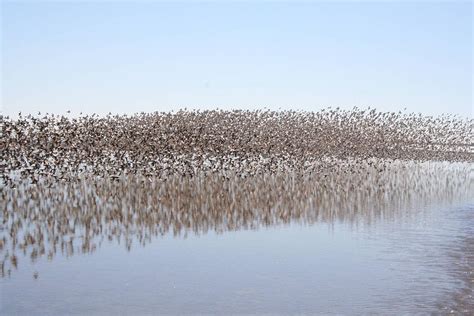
[(245, 212), (418, 261), (397, 240)]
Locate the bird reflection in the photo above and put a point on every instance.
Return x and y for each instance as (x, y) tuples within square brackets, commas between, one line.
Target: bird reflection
[(77, 216)]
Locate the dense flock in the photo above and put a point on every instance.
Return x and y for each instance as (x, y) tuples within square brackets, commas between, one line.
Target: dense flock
[(68, 184), (237, 142)]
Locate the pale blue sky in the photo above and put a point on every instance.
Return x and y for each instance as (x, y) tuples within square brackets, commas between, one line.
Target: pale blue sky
[(128, 57)]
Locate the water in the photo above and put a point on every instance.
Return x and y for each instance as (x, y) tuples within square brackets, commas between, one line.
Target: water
[(237, 212), (392, 240), (420, 261)]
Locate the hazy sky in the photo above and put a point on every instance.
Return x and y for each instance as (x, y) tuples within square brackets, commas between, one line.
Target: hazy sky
[(126, 57)]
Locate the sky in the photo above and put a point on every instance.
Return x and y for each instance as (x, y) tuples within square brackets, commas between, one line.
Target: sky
[(146, 56)]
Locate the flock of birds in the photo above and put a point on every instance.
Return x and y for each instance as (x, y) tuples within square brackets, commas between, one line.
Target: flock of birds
[(68, 184), (236, 142)]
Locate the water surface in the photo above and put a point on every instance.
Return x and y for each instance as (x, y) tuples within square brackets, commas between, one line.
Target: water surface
[(420, 261)]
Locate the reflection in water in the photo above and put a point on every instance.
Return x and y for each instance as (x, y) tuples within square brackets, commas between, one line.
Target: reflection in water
[(76, 217)]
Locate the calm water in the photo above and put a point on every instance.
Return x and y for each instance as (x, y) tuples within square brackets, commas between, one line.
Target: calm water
[(419, 261), (218, 212)]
